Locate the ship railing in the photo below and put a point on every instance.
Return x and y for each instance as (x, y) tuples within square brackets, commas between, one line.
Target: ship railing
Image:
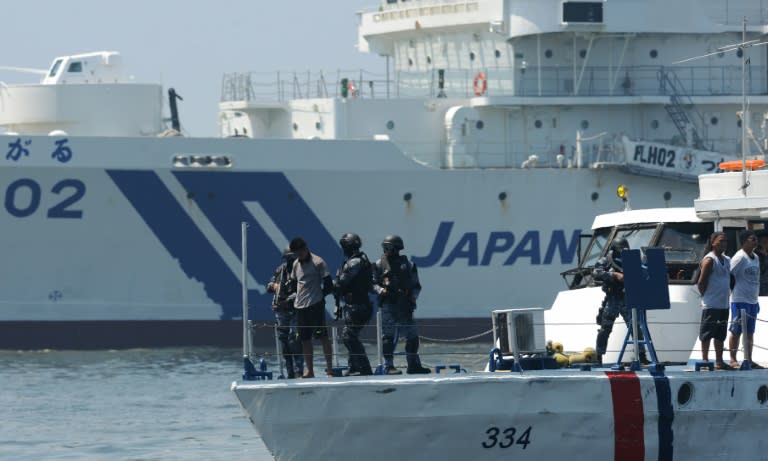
[(545, 81), (479, 154), (440, 346)]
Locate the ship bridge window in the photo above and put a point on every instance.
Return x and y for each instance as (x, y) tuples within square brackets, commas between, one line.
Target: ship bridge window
[(639, 238), (55, 67), (595, 247), (583, 12), (684, 245), (76, 66)]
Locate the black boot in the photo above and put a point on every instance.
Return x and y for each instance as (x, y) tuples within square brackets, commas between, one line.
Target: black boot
[(412, 357)]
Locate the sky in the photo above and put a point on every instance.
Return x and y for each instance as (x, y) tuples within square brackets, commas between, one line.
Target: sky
[(188, 45)]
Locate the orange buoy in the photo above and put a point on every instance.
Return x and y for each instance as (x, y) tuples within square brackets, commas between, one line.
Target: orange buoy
[(480, 84), (735, 165)]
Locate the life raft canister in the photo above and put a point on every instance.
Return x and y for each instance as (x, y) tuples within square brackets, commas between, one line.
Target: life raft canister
[(480, 83), (735, 165)]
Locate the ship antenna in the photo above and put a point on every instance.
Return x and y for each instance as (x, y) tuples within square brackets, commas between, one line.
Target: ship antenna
[(744, 119)]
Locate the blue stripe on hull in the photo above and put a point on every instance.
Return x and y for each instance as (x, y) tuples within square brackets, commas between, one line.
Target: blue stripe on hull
[(666, 417)]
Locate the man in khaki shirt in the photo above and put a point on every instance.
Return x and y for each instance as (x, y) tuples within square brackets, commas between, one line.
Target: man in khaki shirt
[(312, 284)]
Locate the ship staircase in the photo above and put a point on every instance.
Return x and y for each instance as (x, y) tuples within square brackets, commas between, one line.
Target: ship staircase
[(688, 120)]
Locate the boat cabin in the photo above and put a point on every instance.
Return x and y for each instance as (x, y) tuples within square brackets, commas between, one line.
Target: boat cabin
[(98, 67), (681, 234)]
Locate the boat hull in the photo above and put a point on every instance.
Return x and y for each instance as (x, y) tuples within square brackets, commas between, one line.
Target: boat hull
[(534, 415)]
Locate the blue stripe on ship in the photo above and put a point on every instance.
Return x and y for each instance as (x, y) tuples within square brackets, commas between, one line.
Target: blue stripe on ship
[(666, 417), (221, 196)]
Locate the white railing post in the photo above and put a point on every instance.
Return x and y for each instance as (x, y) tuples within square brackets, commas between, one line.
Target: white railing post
[(244, 282)]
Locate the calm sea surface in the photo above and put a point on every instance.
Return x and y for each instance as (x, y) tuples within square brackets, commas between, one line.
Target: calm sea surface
[(165, 404)]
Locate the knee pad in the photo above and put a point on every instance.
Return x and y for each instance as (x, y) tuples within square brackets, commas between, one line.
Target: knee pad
[(412, 345)]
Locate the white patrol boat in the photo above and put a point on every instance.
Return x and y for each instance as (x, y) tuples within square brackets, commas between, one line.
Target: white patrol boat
[(522, 409), (499, 129)]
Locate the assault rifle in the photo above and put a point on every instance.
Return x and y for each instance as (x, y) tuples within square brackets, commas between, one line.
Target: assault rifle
[(279, 299), (337, 307), (392, 284)]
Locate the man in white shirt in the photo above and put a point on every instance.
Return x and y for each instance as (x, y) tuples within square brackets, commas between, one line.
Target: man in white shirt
[(745, 268)]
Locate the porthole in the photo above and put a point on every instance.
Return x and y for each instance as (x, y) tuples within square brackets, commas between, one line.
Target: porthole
[(429, 60), (654, 54), (713, 121), (548, 54), (479, 125), (410, 62), (685, 393), (497, 53), (594, 196), (502, 196), (584, 124), (390, 125), (654, 124), (317, 126), (295, 126), (583, 54), (537, 124), (407, 196), (667, 196), (471, 55), (762, 394)]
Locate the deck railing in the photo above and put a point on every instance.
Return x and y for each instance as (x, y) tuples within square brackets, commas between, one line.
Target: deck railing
[(554, 81)]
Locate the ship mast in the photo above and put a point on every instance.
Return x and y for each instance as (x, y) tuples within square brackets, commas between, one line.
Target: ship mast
[(744, 117)]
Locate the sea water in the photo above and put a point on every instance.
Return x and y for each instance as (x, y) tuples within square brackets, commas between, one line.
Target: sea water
[(163, 404)]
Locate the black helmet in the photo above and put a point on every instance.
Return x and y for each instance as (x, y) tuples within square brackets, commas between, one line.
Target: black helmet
[(392, 243), (618, 245), (288, 255), (350, 243)]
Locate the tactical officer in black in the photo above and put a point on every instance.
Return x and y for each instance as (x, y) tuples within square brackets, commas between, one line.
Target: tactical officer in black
[(609, 271), (351, 288), (396, 283), (285, 314)]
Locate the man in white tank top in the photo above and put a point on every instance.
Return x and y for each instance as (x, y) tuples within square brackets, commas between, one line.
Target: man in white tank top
[(714, 286)]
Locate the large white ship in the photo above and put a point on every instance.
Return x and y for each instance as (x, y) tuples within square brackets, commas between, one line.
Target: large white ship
[(499, 130)]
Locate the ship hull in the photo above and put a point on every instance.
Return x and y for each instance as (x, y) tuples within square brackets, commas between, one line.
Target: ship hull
[(135, 230)]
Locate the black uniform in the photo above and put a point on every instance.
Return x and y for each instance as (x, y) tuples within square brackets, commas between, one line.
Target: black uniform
[(285, 314), (353, 283), (396, 282), (613, 303)]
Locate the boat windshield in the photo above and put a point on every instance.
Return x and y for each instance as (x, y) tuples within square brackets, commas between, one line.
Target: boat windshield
[(596, 247), (684, 245), (639, 238), (684, 242), (55, 67)]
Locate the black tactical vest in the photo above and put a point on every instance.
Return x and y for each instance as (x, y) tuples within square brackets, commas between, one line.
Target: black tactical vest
[(357, 291)]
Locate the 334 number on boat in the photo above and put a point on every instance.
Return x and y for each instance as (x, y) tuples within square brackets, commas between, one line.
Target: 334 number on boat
[(506, 438)]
